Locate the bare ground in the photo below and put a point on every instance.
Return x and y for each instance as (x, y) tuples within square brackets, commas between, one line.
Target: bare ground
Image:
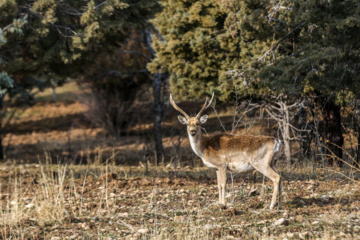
[(74, 202)]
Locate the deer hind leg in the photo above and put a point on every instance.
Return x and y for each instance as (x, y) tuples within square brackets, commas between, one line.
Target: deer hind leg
[(269, 172), (279, 187), (221, 179)]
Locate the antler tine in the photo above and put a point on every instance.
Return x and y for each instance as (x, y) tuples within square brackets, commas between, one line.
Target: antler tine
[(177, 107), (206, 105)]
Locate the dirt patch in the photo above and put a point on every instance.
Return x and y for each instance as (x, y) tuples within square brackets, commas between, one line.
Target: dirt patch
[(53, 203)]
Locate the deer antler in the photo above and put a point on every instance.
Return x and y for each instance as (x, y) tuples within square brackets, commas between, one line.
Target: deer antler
[(177, 107), (206, 105)]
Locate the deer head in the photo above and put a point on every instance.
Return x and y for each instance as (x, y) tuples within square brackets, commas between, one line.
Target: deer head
[(193, 123)]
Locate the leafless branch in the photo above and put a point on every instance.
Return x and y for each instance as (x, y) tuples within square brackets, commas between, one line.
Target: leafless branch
[(218, 117), (273, 115), (58, 27), (7, 27), (99, 5)]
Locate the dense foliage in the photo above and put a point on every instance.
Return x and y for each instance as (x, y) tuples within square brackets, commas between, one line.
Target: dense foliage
[(264, 47), (61, 38), (44, 42)]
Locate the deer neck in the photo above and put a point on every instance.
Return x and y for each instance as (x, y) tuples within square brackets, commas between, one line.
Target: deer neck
[(197, 143)]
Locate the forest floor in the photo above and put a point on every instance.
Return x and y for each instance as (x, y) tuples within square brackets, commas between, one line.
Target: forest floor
[(68, 179)]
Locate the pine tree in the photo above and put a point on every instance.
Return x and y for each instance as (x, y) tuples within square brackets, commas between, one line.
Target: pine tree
[(188, 47), (266, 48), (61, 39)]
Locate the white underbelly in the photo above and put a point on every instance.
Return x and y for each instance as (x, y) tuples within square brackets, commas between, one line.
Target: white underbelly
[(209, 164), (240, 167)]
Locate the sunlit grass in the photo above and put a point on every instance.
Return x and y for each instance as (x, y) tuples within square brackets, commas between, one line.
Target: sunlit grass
[(66, 196)]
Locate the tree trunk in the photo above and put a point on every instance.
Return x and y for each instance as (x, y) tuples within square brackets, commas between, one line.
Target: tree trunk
[(285, 125), (158, 115), (306, 137), (332, 132), (287, 148), (158, 92), (282, 116)]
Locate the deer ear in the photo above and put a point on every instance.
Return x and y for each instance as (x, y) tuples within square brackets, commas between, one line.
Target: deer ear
[(182, 119), (204, 118)]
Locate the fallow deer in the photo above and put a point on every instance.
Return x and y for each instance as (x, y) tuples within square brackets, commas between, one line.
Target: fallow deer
[(225, 151)]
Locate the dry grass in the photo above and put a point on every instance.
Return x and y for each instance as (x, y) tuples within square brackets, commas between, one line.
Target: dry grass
[(41, 201)]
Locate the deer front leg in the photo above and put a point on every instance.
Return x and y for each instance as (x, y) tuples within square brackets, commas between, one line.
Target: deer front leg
[(277, 192), (221, 179)]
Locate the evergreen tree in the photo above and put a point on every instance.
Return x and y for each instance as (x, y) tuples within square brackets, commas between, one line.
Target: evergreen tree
[(61, 39), (188, 47), (6, 82), (266, 48)]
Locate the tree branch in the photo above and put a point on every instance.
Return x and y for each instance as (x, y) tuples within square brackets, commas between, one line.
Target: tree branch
[(286, 36), (272, 115)]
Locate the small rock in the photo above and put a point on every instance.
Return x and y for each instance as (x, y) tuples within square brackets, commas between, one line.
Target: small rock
[(311, 188), (286, 215), (129, 237), (325, 198), (303, 235), (266, 231), (146, 182), (343, 235), (315, 223), (291, 235), (30, 205), (282, 222), (313, 182), (56, 238), (211, 226), (314, 195), (299, 218), (229, 196), (143, 230), (124, 214), (208, 226), (136, 235), (180, 218)]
